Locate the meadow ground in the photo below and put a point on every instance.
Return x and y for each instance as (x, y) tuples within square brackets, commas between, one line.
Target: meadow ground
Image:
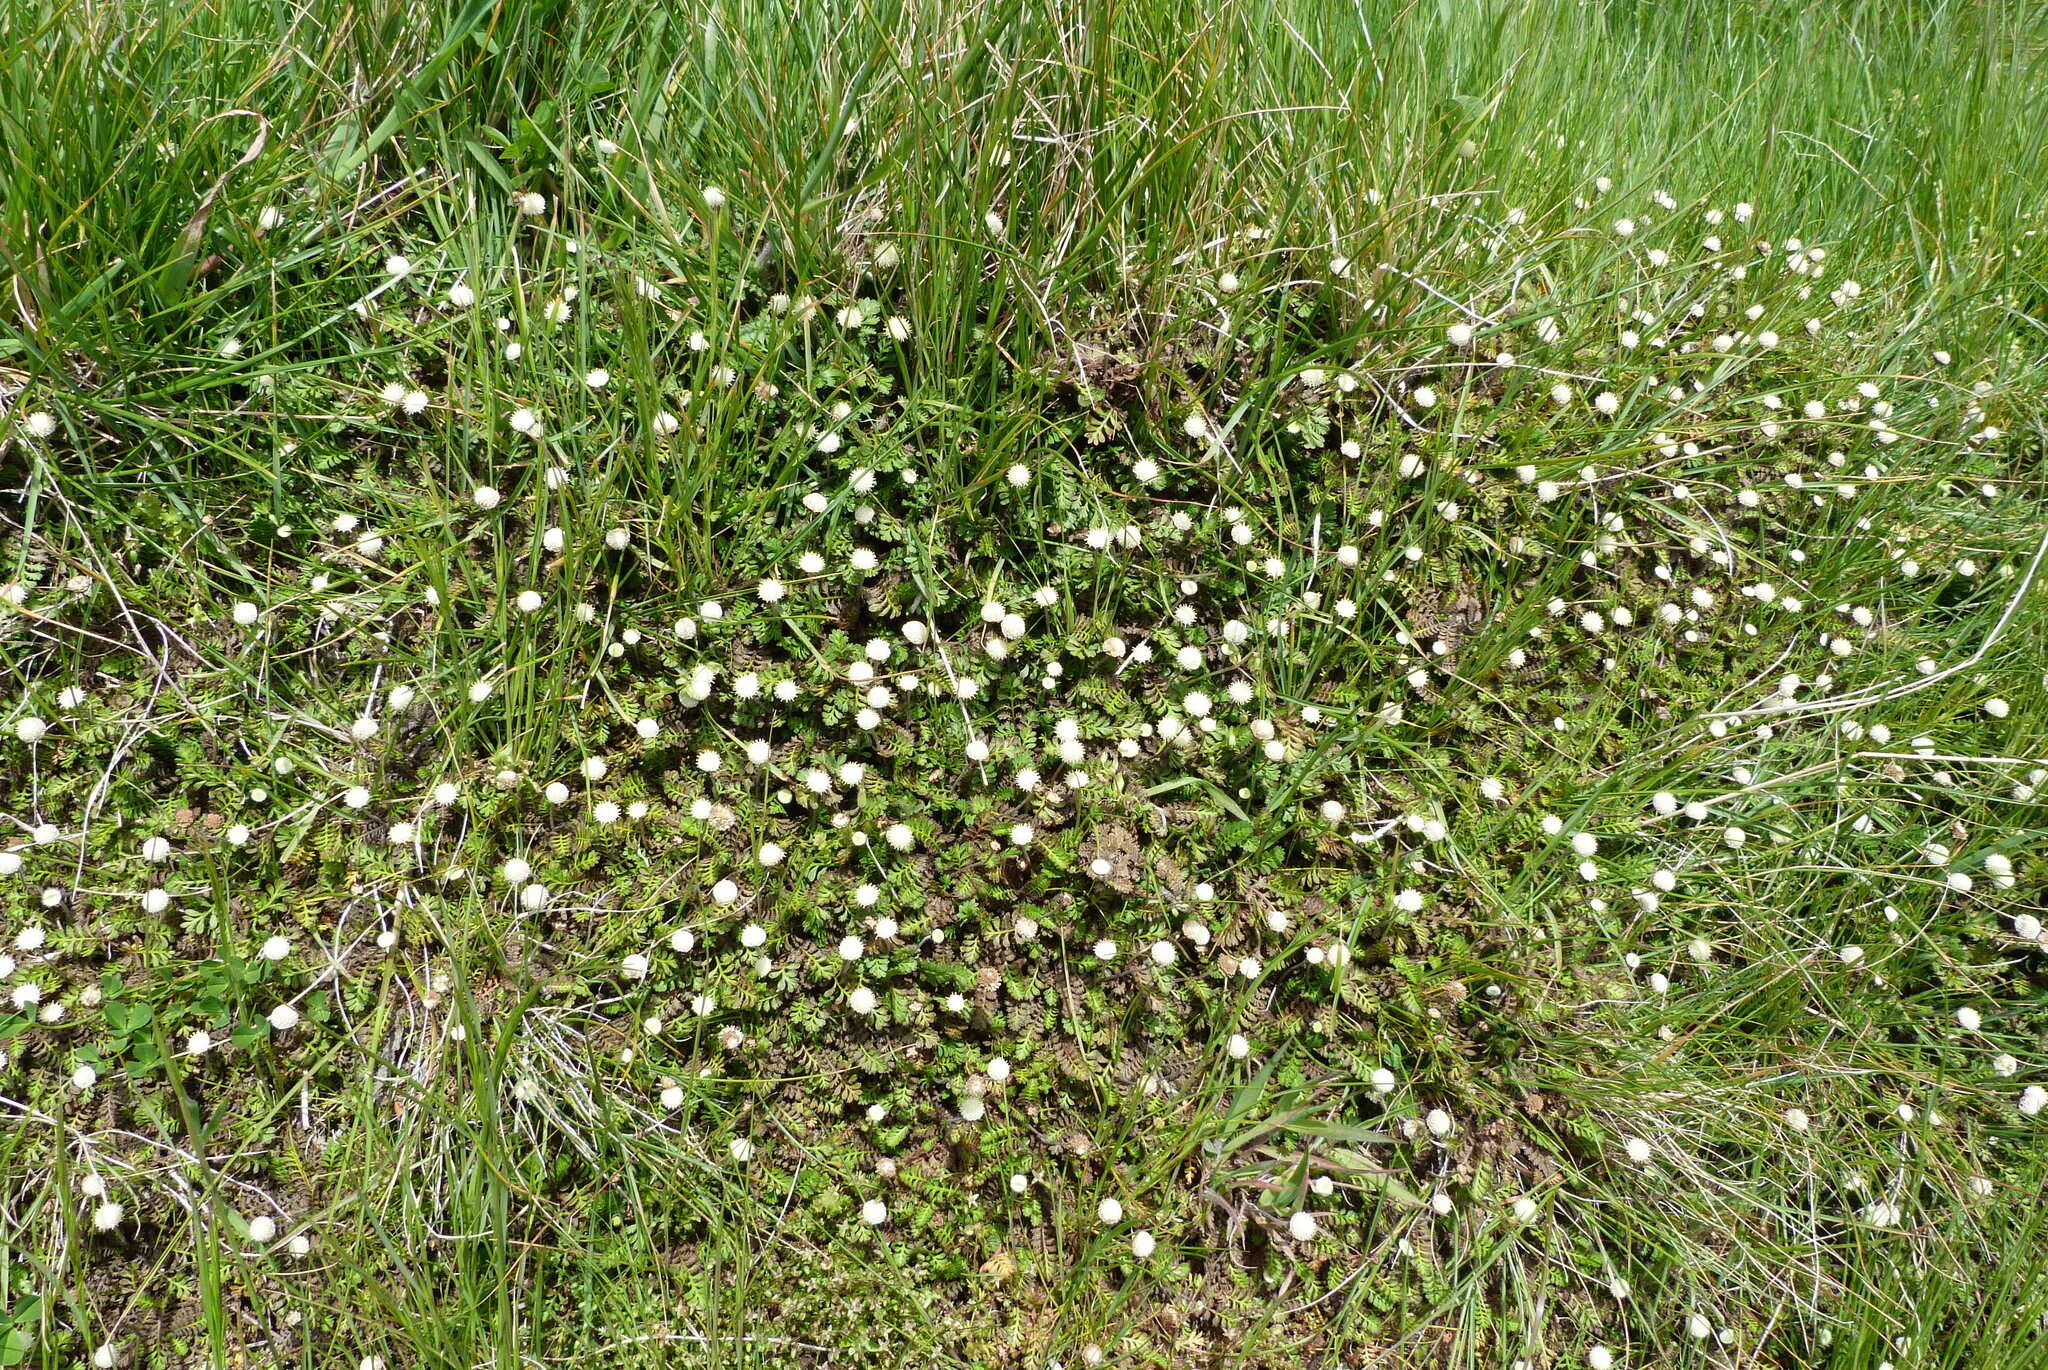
[(1023, 684)]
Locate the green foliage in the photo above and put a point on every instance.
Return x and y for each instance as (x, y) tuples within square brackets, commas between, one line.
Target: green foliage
[(495, 1157)]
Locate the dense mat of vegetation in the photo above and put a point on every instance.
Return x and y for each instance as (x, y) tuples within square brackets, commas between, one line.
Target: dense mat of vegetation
[(1026, 685)]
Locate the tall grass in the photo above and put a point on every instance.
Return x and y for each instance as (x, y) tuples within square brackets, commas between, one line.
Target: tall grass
[(1117, 140)]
